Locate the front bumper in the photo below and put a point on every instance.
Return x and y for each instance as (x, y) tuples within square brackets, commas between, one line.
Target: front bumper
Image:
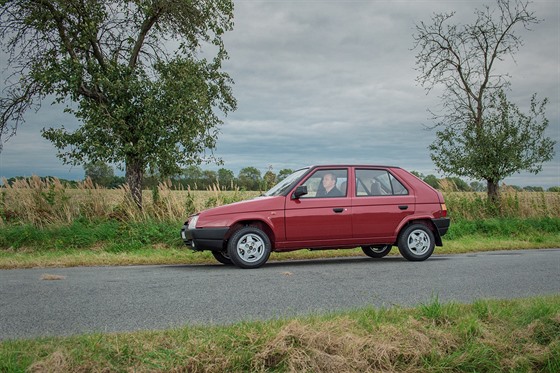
[(204, 238)]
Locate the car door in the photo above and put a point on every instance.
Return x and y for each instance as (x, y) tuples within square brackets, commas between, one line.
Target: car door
[(321, 217), (381, 202)]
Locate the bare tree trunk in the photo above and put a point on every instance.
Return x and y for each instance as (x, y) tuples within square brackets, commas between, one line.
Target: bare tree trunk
[(134, 177), (493, 190)]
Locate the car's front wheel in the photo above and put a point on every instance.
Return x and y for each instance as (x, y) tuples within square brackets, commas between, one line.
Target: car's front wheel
[(416, 242), (222, 257), (249, 247), (377, 251)]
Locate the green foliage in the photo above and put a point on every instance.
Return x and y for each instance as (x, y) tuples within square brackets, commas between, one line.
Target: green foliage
[(514, 228), (283, 173), (114, 236), (17, 179), (192, 177), (164, 123), (508, 141), (249, 178), (477, 186), (457, 184), (100, 173), (269, 180), (218, 198), (530, 188), (432, 181), (190, 207), (139, 104), (80, 234), (226, 178)]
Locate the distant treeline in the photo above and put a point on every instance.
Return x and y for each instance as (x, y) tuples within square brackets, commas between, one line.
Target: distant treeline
[(250, 178)]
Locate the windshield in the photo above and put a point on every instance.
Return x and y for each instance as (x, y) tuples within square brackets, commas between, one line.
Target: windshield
[(286, 183)]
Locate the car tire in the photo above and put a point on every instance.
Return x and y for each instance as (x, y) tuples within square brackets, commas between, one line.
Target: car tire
[(249, 247), (222, 257), (416, 242), (377, 251)]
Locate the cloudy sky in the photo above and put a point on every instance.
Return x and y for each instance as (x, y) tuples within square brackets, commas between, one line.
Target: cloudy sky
[(332, 82)]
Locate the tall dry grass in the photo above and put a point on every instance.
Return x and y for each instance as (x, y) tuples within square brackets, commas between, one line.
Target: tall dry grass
[(513, 204), (50, 202)]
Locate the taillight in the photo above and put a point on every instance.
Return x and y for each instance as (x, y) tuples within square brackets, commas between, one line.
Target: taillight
[(443, 210)]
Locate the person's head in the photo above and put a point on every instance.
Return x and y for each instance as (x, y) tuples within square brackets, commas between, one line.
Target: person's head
[(329, 181)]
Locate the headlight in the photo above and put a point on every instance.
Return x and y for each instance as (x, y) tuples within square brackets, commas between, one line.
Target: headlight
[(192, 222)]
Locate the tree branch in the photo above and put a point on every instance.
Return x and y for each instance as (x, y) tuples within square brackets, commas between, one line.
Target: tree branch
[(146, 26)]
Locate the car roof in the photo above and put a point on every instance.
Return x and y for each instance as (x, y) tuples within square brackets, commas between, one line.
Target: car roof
[(350, 165)]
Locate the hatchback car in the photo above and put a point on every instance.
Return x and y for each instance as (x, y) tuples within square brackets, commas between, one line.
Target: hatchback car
[(326, 207)]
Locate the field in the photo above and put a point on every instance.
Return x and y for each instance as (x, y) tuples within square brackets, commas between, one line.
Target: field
[(84, 243), (44, 203), (44, 223)]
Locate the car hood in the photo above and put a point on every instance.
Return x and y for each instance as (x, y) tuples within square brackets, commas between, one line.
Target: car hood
[(257, 204)]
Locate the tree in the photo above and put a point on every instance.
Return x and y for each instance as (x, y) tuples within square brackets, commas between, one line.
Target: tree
[(249, 178), (508, 142), (432, 180), (463, 60), (269, 179), (477, 186), (456, 184), (531, 188), (100, 173), (225, 178), (193, 176), (283, 173), (140, 102), (209, 178)]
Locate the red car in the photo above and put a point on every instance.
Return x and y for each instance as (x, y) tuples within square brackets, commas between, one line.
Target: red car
[(326, 207)]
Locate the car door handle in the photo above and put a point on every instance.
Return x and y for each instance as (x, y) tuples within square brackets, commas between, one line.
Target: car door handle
[(338, 209), (403, 207)]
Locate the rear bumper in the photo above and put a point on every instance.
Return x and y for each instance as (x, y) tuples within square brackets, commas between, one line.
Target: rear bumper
[(442, 225), (204, 238)]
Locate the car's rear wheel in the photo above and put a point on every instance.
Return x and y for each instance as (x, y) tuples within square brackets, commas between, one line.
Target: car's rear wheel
[(377, 251), (416, 242), (222, 257), (249, 247)]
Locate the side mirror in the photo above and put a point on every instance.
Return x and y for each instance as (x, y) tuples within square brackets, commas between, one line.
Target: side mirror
[(300, 191)]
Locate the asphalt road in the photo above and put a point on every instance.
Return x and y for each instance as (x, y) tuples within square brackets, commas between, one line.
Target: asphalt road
[(111, 299)]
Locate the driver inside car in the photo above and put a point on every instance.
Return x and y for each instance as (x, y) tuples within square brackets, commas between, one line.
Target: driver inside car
[(329, 187)]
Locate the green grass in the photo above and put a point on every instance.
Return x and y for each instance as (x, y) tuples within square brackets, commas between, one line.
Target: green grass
[(109, 242), (504, 227), (111, 235), (487, 336)]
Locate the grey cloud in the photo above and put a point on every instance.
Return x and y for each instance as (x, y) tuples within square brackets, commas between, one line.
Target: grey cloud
[(334, 81)]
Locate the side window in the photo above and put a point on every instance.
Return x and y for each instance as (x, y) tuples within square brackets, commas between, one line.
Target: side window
[(398, 188), (377, 183), (327, 183)]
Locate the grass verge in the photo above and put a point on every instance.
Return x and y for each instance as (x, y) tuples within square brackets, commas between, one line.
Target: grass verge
[(486, 336), (85, 243)]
